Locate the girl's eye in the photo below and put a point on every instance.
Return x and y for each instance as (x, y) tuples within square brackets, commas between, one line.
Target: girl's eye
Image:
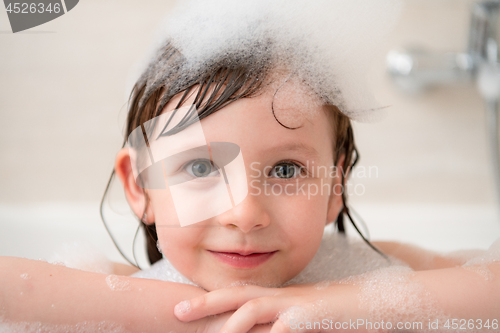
[(285, 170), (201, 168)]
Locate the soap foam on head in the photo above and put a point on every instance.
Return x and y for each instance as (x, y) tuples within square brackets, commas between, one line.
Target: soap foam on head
[(294, 101), (329, 44)]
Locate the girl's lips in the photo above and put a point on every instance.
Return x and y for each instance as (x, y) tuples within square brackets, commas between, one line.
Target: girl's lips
[(242, 261)]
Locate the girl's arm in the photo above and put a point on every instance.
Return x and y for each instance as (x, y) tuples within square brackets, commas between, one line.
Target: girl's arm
[(456, 299), (417, 258), (123, 269), (465, 293), (439, 287), (471, 292), (36, 291)]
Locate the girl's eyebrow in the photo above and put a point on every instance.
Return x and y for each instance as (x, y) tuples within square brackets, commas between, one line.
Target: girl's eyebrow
[(299, 147)]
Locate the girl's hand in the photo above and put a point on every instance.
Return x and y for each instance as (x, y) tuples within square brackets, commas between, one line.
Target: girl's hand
[(214, 324), (288, 309)]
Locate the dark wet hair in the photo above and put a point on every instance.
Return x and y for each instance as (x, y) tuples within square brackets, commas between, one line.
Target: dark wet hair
[(220, 83)]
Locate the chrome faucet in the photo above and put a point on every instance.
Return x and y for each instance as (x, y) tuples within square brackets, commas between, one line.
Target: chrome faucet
[(415, 70)]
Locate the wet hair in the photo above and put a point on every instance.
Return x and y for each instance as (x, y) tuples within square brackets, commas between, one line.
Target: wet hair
[(218, 84)]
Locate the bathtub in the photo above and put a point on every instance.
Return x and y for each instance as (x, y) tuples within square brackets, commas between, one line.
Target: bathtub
[(39, 231)]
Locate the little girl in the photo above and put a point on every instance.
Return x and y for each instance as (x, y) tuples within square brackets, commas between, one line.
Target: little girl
[(236, 162)]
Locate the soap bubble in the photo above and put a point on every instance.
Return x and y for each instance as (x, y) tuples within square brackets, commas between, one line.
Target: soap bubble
[(117, 283), (328, 44)]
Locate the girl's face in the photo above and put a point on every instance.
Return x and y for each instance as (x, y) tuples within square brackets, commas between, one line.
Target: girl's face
[(293, 192)]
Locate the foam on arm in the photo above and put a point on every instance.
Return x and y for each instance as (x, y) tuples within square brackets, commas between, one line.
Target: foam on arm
[(36, 294)]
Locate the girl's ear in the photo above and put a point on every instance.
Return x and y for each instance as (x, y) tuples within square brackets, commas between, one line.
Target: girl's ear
[(335, 204), (135, 195)]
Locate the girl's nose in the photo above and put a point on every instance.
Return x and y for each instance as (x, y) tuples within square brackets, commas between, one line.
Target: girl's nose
[(248, 215)]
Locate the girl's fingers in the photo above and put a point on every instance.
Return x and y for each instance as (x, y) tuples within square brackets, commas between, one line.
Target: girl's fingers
[(280, 327), (219, 301), (261, 329), (295, 319), (256, 311)]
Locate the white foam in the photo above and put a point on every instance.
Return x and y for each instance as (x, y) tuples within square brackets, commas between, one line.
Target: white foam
[(479, 262), (310, 312), (339, 257), (389, 295), (117, 283), (163, 270), (486, 257), (82, 255), (158, 246), (328, 43), (482, 270), (306, 104)]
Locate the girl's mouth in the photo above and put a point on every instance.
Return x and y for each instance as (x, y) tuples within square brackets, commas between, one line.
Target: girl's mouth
[(242, 261)]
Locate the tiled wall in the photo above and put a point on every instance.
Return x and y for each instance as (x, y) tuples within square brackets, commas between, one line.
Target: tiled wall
[(62, 109)]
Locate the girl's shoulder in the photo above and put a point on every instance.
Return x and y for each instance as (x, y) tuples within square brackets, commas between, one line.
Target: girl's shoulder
[(418, 258), (123, 269)]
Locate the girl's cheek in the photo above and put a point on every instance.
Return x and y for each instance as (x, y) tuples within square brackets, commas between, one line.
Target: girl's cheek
[(177, 253), (304, 204), (180, 240)]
